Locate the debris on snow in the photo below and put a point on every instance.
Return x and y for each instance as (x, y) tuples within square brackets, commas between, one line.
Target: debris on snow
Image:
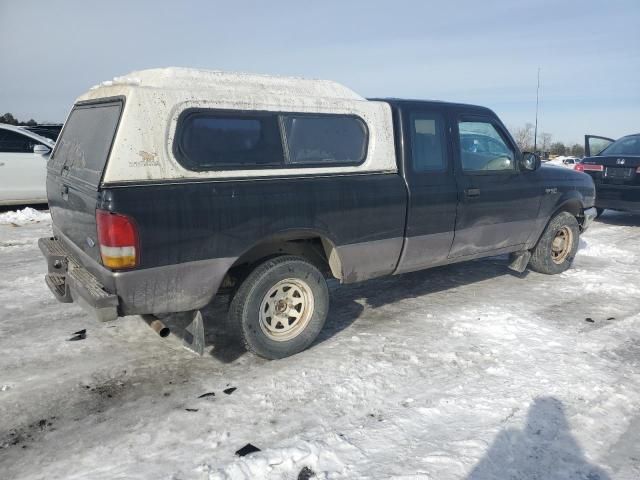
[(474, 370), (246, 450), (229, 390), (79, 335), (306, 473), (208, 394)]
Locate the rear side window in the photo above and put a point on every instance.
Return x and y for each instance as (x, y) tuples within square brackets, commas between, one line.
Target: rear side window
[(216, 140), (86, 139), (212, 140), (325, 139), (428, 142)]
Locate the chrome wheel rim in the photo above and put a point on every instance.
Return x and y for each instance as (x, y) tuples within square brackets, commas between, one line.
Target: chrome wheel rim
[(286, 309), (561, 245)]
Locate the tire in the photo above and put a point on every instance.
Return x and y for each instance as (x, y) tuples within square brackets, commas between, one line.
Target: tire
[(599, 212), (280, 307), (550, 258)]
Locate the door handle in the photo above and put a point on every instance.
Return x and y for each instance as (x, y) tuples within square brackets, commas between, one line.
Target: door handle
[(65, 192), (472, 192), (1, 164)]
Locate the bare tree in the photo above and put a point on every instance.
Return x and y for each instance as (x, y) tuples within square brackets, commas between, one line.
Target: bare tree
[(558, 148), (577, 150), (524, 137)]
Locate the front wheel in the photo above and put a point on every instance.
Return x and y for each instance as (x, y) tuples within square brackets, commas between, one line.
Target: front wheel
[(557, 246), (280, 307)]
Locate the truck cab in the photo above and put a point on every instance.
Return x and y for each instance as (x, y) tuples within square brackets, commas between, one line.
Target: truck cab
[(466, 175)]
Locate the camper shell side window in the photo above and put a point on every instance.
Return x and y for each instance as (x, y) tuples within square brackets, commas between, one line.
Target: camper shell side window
[(210, 139)]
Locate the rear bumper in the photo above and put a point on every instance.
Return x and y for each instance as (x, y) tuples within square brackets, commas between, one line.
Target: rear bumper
[(76, 277), (70, 282)]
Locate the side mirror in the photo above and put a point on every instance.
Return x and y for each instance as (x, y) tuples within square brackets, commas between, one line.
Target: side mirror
[(41, 149), (529, 162)]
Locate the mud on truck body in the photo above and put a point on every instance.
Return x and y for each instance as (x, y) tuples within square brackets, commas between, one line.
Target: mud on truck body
[(168, 186)]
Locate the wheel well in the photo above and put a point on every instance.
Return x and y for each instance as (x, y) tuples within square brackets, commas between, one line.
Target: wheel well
[(317, 250), (574, 207)]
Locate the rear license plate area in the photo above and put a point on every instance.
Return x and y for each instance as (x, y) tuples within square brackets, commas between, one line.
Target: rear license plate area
[(618, 175)]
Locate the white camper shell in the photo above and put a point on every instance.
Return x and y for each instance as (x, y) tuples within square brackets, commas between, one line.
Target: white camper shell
[(154, 100)]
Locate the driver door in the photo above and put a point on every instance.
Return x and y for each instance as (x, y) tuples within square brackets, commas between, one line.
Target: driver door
[(498, 203)]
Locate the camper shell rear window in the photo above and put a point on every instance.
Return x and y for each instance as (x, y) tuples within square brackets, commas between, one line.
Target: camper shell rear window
[(208, 140), (86, 139)]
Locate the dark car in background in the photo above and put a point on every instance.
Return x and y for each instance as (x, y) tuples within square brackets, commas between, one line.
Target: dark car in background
[(614, 166)]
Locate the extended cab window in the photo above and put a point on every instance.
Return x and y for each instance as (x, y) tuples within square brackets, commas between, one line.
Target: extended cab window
[(427, 142), (212, 140), (325, 139), (482, 148)]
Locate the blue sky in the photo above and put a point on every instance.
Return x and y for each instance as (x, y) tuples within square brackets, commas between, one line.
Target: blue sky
[(483, 52)]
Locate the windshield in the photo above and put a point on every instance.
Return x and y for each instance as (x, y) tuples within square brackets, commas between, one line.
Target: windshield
[(624, 146)]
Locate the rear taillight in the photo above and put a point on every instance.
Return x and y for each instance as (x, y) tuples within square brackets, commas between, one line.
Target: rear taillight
[(118, 239), (587, 167), (638, 170), (579, 167)]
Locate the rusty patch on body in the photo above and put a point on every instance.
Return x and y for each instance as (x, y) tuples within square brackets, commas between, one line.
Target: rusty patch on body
[(147, 159)]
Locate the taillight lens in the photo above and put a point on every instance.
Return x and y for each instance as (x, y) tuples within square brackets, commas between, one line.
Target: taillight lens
[(579, 167), (118, 239), (586, 167), (638, 170)]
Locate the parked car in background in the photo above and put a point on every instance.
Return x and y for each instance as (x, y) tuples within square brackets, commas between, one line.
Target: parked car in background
[(568, 162), (181, 184), (614, 166), (47, 130), (23, 165)]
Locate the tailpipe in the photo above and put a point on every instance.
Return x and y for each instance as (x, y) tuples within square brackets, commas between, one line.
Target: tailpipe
[(157, 325)]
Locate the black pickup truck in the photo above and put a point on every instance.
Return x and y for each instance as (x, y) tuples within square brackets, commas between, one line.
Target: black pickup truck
[(614, 166), (174, 186)]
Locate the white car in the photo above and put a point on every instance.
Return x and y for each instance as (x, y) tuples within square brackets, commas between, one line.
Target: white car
[(568, 162), (23, 166)]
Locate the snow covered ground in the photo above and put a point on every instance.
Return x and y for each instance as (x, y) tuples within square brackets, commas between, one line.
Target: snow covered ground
[(460, 372)]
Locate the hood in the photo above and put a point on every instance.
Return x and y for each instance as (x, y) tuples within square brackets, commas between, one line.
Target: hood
[(559, 172)]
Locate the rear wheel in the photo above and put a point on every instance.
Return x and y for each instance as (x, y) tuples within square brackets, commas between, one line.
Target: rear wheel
[(280, 307), (557, 246)]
